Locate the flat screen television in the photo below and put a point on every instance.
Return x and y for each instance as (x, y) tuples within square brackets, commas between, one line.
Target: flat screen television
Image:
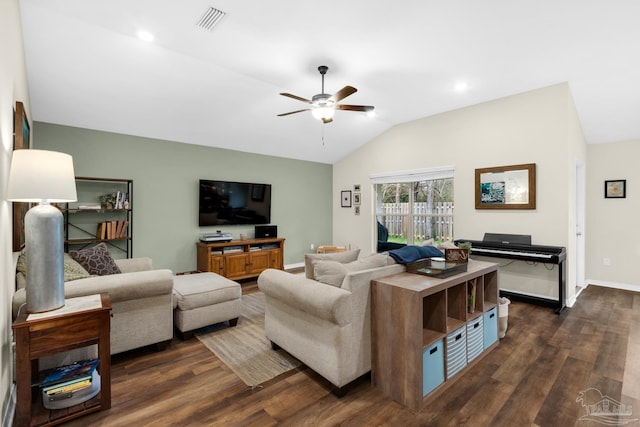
[(233, 203)]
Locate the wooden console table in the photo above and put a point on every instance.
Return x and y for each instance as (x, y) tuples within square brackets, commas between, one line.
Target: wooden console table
[(43, 334), (423, 334), (241, 259)]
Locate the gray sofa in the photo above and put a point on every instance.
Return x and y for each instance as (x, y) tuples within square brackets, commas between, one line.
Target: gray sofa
[(141, 298), (325, 323)]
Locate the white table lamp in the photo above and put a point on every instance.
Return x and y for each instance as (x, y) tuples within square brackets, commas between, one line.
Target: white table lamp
[(43, 177)]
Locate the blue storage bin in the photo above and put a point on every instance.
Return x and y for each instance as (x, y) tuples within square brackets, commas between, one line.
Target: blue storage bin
[(490, 327), (432, 367)]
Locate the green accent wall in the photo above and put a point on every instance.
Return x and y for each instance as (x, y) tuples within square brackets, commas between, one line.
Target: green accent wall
[(165, 189)]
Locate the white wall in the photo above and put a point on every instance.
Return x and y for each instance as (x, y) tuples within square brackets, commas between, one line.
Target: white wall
[(535, 127), (13, 87), (613, 225)]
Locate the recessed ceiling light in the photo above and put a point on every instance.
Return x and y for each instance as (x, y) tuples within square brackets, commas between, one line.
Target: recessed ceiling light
[(461, 86), (145, 35)]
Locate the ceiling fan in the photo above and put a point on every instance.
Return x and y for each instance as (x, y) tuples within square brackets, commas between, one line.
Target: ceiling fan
[(324, 105)]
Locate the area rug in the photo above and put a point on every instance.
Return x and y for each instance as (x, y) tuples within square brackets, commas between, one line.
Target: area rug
[(244, 348)]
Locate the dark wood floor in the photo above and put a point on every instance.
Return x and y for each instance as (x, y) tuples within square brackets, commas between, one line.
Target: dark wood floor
[(532, 378)]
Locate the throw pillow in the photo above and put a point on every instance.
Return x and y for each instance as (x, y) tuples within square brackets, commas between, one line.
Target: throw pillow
[(333, 272), (330, 272), (72, 270), (96, 260), (447, 245), (428, 242), (21, 266), (311, 259), (372, 261)]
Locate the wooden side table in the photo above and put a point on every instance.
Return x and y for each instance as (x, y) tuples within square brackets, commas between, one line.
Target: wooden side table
[(82, 322)]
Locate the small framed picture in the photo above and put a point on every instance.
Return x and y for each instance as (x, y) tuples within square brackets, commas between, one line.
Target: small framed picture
[(357, 210), (356, 199), (345, 199), (615, 189), (356, 187)]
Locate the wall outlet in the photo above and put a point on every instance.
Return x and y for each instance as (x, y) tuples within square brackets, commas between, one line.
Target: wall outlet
[(607, 262), (312, 247)]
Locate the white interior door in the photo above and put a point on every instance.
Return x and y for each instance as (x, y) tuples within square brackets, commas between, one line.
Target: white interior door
[(579, 208)]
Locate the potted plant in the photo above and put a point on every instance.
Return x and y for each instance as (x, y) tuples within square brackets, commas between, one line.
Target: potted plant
[(107, 201), (465, 245)]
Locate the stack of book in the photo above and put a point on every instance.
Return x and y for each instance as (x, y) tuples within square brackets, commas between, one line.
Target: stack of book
[(112, 230), (79, 380)]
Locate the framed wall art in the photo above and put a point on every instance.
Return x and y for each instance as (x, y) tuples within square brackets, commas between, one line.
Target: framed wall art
[(21, 138), (345, 199), (506, 187), (615, 189)]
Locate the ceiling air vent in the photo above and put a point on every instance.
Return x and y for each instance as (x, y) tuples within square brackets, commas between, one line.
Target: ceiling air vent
[(210, 18)]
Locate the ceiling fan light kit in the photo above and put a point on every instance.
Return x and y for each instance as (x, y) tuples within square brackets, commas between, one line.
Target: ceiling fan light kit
[(323, 105), (323, 113)]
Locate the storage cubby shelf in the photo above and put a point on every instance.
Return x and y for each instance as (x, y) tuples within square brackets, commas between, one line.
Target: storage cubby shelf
[(453, 324), (413, 371), (474, 315), (488, 305), (430, 336)]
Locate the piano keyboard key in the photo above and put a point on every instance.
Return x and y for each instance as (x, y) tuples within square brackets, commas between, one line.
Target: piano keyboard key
[(517, 253)]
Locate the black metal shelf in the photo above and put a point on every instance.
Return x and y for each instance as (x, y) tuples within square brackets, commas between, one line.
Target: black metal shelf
[(82, 234)]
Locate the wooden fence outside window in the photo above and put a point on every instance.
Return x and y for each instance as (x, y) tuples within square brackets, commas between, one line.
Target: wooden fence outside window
[(435, 222)]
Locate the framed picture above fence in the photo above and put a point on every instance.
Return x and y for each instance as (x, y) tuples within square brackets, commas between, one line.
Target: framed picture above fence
[(506, 187)]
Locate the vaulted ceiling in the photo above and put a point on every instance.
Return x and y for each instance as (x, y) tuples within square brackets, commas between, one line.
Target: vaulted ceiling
[(219, 87)]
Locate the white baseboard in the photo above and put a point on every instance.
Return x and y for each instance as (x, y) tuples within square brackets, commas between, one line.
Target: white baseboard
[(624, 286), (9, 413), (292, 266)]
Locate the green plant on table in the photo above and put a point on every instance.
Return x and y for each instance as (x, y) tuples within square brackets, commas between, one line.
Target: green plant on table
[(465, 245)]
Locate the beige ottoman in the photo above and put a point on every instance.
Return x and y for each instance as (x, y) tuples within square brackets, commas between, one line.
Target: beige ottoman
[(203, 299)]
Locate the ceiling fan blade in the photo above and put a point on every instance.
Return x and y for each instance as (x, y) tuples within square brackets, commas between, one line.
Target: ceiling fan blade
[(343, 93), (293, 112), (299, 98), (364, 108)]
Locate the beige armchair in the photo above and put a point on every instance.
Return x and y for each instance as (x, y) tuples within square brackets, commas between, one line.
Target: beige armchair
[(325, 326)]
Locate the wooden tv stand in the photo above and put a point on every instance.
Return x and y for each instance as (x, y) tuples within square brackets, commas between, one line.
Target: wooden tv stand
[(423, 335), (241, 259)]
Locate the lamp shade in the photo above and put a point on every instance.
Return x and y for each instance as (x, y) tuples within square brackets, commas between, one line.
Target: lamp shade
[(41, 176)]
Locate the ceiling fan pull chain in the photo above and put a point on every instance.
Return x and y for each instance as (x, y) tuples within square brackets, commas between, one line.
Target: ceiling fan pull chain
[(322, 124)]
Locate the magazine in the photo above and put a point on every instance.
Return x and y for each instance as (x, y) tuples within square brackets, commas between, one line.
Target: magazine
[(69, 373)]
